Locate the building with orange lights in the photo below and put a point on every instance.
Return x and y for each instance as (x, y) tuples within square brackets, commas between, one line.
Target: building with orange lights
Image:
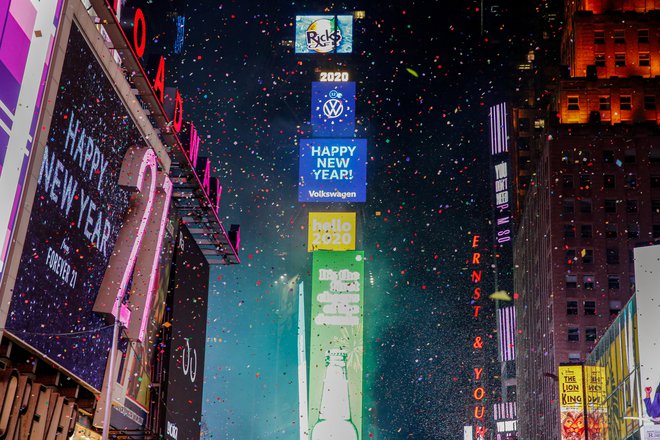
[(587, 180)]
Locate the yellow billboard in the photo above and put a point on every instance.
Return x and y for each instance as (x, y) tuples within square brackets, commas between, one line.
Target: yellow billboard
[(331, 231), (571, 402)]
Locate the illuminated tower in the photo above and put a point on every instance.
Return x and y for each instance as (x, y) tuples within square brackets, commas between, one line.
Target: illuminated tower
[(588, 190)]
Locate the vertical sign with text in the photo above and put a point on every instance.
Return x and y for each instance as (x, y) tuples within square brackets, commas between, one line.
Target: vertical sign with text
[(336, 350), (571, 402)]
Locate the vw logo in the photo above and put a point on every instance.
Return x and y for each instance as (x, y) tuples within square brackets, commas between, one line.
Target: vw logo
[(333, 108), (189, 361)]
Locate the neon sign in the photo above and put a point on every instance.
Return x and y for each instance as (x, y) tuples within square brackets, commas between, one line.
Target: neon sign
[(477, 345)]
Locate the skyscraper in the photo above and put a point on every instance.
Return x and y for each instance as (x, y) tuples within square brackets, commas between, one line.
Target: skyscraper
[(587, 171)]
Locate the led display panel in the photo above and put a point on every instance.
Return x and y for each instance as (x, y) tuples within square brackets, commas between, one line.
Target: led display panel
[(336, 346), (27, 33), (318, 34), (76, 217), (331, 231), (333, 170), (333, 109)]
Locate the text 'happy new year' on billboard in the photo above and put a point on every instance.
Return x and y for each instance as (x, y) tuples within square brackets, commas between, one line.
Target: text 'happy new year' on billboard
[(332, 170)]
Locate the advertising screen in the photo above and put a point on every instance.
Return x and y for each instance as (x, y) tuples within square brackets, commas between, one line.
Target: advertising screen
[(331, 231), (571, 402), (333, 109), (333, 170), (595, 388), (336, 350), (647, 277), (324, 33), (27, 32), (187, 304), (76, 216)]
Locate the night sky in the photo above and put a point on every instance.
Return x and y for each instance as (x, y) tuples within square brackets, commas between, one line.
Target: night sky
[(425, 79)]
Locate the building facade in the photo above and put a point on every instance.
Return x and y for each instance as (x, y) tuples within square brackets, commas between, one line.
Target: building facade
[(588, 180)]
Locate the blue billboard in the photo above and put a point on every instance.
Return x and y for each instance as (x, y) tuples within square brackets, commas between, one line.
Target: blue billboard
[(333, 109), (324, 33), (333, 170)]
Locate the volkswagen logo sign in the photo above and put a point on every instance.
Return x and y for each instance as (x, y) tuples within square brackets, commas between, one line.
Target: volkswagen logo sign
[(333, 107)]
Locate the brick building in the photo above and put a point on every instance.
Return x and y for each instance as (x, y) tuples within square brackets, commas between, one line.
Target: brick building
[(588, 186)]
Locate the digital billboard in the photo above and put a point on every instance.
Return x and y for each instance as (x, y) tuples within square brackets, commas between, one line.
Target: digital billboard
[(324, 34), (336, 346), (595, 389), (185, 339), (27, 32), (647, 278), (331, 231), (77, 212), (333, 109), (333, 170), (571, 402)]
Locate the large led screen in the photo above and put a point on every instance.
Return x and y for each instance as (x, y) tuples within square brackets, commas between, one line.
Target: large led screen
[(331, 231), (324, 33), (333, 170), (333, 109), (187, 305), (27, 34), (336, 346), (76, 216)]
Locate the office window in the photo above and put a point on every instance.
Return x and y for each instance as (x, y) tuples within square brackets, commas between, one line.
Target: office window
[(643, 36), (573, 334), (588, 282), (590, 334), (655, 181), (567, 181), (649, 102), (631, 206), (568, 206), (573, 103), (587, 256), (613, 282), (615, 307), (656, 231), (625, 102), (571, 307), (599, 37), (632, 283), (569, 231), (610, 206), (655, 206), (644, 59), (612, 256), (586, 231), (633, 230), (599, 59), (608, 155), (585, 206), (590, 307), (654, 156), (570, 256), (609, 181), (630, 155), (631, 181), (571, 281), (610, 230), (585, 181), (619, 36), (620, 59), (574, 358)]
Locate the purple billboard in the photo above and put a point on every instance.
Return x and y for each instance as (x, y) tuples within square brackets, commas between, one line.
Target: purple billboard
[(27, 33)]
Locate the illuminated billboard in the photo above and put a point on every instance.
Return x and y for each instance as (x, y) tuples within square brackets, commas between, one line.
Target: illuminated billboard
[(324, 34), (185, 340), (77, 212), (333, 109), (647, 278), (571, 402), (27, 32), (336, 350), (331, 231), (333, 170), (595, 389)]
